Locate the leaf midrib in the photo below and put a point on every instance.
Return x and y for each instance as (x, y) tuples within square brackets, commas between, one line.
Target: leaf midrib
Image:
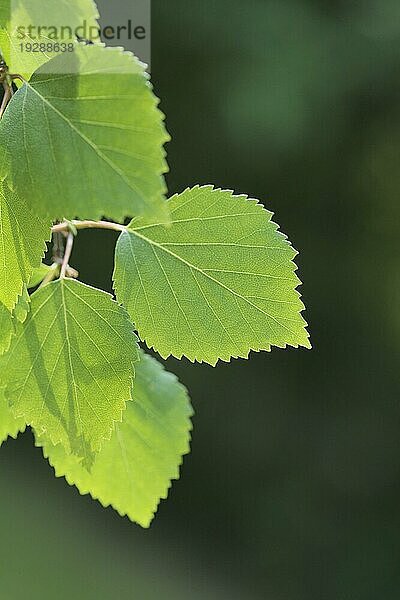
[(205, 274), (64, 310)]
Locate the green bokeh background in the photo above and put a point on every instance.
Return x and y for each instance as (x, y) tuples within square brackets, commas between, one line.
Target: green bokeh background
[(292, 490)]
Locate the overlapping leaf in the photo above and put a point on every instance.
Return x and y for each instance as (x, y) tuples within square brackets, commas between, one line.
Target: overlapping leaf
[(22, 244), (59, 23), (88, 140), (70, 367), (134, 470), (9, 425), (218, 283)]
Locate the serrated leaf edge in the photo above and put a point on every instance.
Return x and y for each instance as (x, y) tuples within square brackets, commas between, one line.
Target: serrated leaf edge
[(145, 524), (43, 430), (225, 358), (6, 182), (163, 139)]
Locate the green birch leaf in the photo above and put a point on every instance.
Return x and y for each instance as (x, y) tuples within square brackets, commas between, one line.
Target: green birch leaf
[(19, 23), (70, 367), (9, 425), (88, 140), (22, 244), (216, 284), (134, 470)]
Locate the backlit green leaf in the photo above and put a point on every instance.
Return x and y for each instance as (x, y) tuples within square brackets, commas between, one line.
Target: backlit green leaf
[(87, 141), (22, 244), (59, 22), (69, 370), (133, 471), (216, 284)]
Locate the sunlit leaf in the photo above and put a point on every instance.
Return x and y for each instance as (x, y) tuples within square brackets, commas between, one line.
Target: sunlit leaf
[(87, 141), (22, 244), (134, 470), (218, 283), (58, 21), (70, 368)]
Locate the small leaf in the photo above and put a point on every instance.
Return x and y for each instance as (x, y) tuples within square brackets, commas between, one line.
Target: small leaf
[(89, 143), (69, 370), (9, 425), (39, 274), (22, 244), (216, 284), (17, 16), (133, 471)]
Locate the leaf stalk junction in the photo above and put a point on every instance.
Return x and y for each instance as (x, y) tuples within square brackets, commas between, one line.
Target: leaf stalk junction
[(62, 252)]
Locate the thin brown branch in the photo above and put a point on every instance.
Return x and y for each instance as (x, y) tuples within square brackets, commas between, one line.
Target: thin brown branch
[(65, 226), (6, 98), (67, 255)]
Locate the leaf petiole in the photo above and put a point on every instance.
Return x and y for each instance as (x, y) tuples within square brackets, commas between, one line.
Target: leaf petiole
[(65, 227), (67, 255)]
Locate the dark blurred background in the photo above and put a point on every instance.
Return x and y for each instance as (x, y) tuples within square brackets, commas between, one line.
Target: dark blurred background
[(292, 489)]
